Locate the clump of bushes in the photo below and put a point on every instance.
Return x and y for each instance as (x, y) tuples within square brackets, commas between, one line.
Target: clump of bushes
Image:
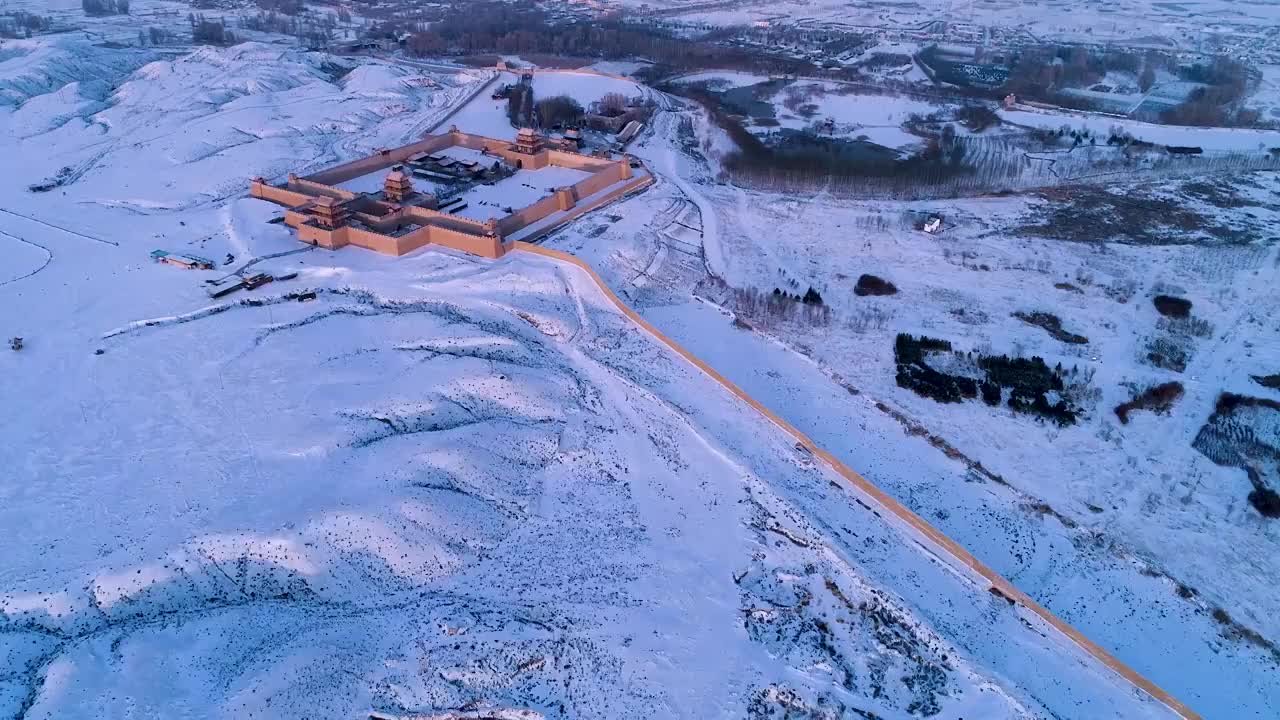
[(1266, 501), (977, 117), (1171, 306), (1158, 398), (1052, 325), (872, 285), (1029, 381), (768, 309), (1268, 381), (1228, 403), (909, 349), (1241, 433)]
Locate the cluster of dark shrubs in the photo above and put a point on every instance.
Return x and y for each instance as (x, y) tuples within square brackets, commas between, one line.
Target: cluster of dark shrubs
[(1158, 398), (1228, 403), (20, 23), (288, 7), (1265, 500), (1052, 325), (872, 285), (105, 7), (752, 306), (210, 32), (915, 373), (559, 111), (1171, 306), (1268, 381), (977, 117), (520, 105), (1232, 439), (810, 297), (1027, 380)]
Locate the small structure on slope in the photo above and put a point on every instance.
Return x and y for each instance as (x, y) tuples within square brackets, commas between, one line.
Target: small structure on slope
[(190, 262)]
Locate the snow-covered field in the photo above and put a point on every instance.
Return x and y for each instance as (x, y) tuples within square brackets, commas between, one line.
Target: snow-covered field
[(876, 118), (834, 109), (440, 483), (520, 190), (1151, 531), (1210, 139)]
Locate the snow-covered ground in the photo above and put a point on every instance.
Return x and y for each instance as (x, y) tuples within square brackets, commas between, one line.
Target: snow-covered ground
[(520, 190), (620, 67), (447, 481), (876, 118), (723, 79), (843, 110), (586, 88), (1152, 531), (1211, 139), (158, 135), (441, 483)]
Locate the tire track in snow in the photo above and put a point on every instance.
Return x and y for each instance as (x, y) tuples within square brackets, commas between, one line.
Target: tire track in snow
[(68, 231), (48, 258)]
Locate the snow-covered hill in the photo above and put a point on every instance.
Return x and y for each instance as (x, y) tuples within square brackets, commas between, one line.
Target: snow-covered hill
[(204, 123)]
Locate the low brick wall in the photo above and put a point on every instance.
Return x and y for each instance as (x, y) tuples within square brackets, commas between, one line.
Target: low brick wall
[(526, 216), (577, 162), (599, 181), (484, 246), (271, 193), (315, 189), (359, 237), (325, 238), (373, 163)]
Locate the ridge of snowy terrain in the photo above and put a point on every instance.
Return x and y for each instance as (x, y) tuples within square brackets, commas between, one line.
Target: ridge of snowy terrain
[(213, 119)]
